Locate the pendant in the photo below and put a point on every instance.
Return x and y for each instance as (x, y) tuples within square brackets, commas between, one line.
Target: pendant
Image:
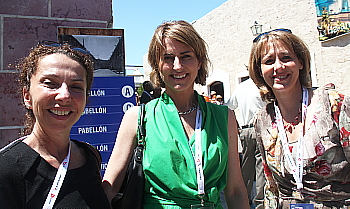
[(298, 195)]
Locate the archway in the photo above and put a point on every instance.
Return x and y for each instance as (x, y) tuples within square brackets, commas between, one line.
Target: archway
[(218, 87)]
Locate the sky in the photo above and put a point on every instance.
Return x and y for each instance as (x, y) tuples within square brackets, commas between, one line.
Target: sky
[(139, 19)]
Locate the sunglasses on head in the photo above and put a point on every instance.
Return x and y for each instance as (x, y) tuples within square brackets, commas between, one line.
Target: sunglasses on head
[(262, 34), (55, 44)]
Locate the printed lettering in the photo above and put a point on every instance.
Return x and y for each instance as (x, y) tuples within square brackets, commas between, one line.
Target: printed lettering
[(91, 130), (97, 93), (95, 110)]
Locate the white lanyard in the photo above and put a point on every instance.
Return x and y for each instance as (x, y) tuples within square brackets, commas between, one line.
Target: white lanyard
[(198, 153), (296, 168), (57, 183)]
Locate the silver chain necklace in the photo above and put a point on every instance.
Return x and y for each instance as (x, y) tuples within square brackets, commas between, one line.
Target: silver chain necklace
[(188, 111)]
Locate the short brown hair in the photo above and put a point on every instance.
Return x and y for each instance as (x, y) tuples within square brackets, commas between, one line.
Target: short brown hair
[(293, 43), (29, 65), (183, 32)]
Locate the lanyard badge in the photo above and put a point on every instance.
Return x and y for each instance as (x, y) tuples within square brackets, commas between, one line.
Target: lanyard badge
[(58, 181), (297, 164), (199, 163)]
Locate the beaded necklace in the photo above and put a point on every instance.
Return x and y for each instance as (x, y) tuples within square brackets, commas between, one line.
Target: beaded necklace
[(188, 111), (289, 126)]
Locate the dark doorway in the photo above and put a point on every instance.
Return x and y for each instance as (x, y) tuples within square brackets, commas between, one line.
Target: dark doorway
[(218, 87)]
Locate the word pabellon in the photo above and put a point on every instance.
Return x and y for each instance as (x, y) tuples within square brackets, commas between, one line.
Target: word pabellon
[(95, 110), (92, 129), (97, 93)]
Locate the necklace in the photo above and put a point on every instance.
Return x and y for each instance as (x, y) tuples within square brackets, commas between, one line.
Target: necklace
[(289, 126), (188, 111)]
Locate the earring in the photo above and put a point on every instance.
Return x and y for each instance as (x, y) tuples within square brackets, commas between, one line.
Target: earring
[(160, 78), (28, 106)]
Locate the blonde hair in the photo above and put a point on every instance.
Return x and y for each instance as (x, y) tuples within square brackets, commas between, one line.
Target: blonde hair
[(294, 44), (183, 32)]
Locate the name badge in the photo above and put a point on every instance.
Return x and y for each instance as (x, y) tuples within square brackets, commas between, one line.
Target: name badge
[(301, 206)]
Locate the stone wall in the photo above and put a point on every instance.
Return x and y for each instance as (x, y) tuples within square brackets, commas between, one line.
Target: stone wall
[(22, 25), (11, 112), (227, 32)]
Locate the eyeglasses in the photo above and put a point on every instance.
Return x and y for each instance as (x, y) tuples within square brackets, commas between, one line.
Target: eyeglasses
[(55, 44), (262, 34)]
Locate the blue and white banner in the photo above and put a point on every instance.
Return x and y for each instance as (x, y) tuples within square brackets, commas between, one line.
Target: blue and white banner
[(110, 98)]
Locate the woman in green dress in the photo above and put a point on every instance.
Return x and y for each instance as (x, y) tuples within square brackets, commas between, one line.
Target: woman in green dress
[(186, 137)]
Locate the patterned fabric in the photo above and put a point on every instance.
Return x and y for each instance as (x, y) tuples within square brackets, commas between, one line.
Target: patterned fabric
[(326, 151), (168, 157)]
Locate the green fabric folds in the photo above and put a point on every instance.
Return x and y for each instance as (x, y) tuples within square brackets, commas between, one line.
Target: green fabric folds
[(168, 157)]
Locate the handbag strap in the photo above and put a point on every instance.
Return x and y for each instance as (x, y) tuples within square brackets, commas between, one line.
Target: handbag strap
[(141, 126), (96, 153)]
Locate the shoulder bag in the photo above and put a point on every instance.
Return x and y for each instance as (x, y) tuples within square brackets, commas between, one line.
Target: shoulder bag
[(131, 192)]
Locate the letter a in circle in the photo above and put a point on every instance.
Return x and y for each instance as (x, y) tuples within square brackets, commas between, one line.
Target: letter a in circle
[(127, 91)]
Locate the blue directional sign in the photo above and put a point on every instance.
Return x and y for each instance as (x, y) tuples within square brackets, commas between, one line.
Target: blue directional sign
[(110, 98)]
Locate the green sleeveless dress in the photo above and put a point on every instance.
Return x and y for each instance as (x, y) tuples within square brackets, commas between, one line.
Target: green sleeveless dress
[(168, 162)]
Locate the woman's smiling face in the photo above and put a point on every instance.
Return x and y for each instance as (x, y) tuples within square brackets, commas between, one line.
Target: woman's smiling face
[(57, 93), (280, 67), (178, 66)]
